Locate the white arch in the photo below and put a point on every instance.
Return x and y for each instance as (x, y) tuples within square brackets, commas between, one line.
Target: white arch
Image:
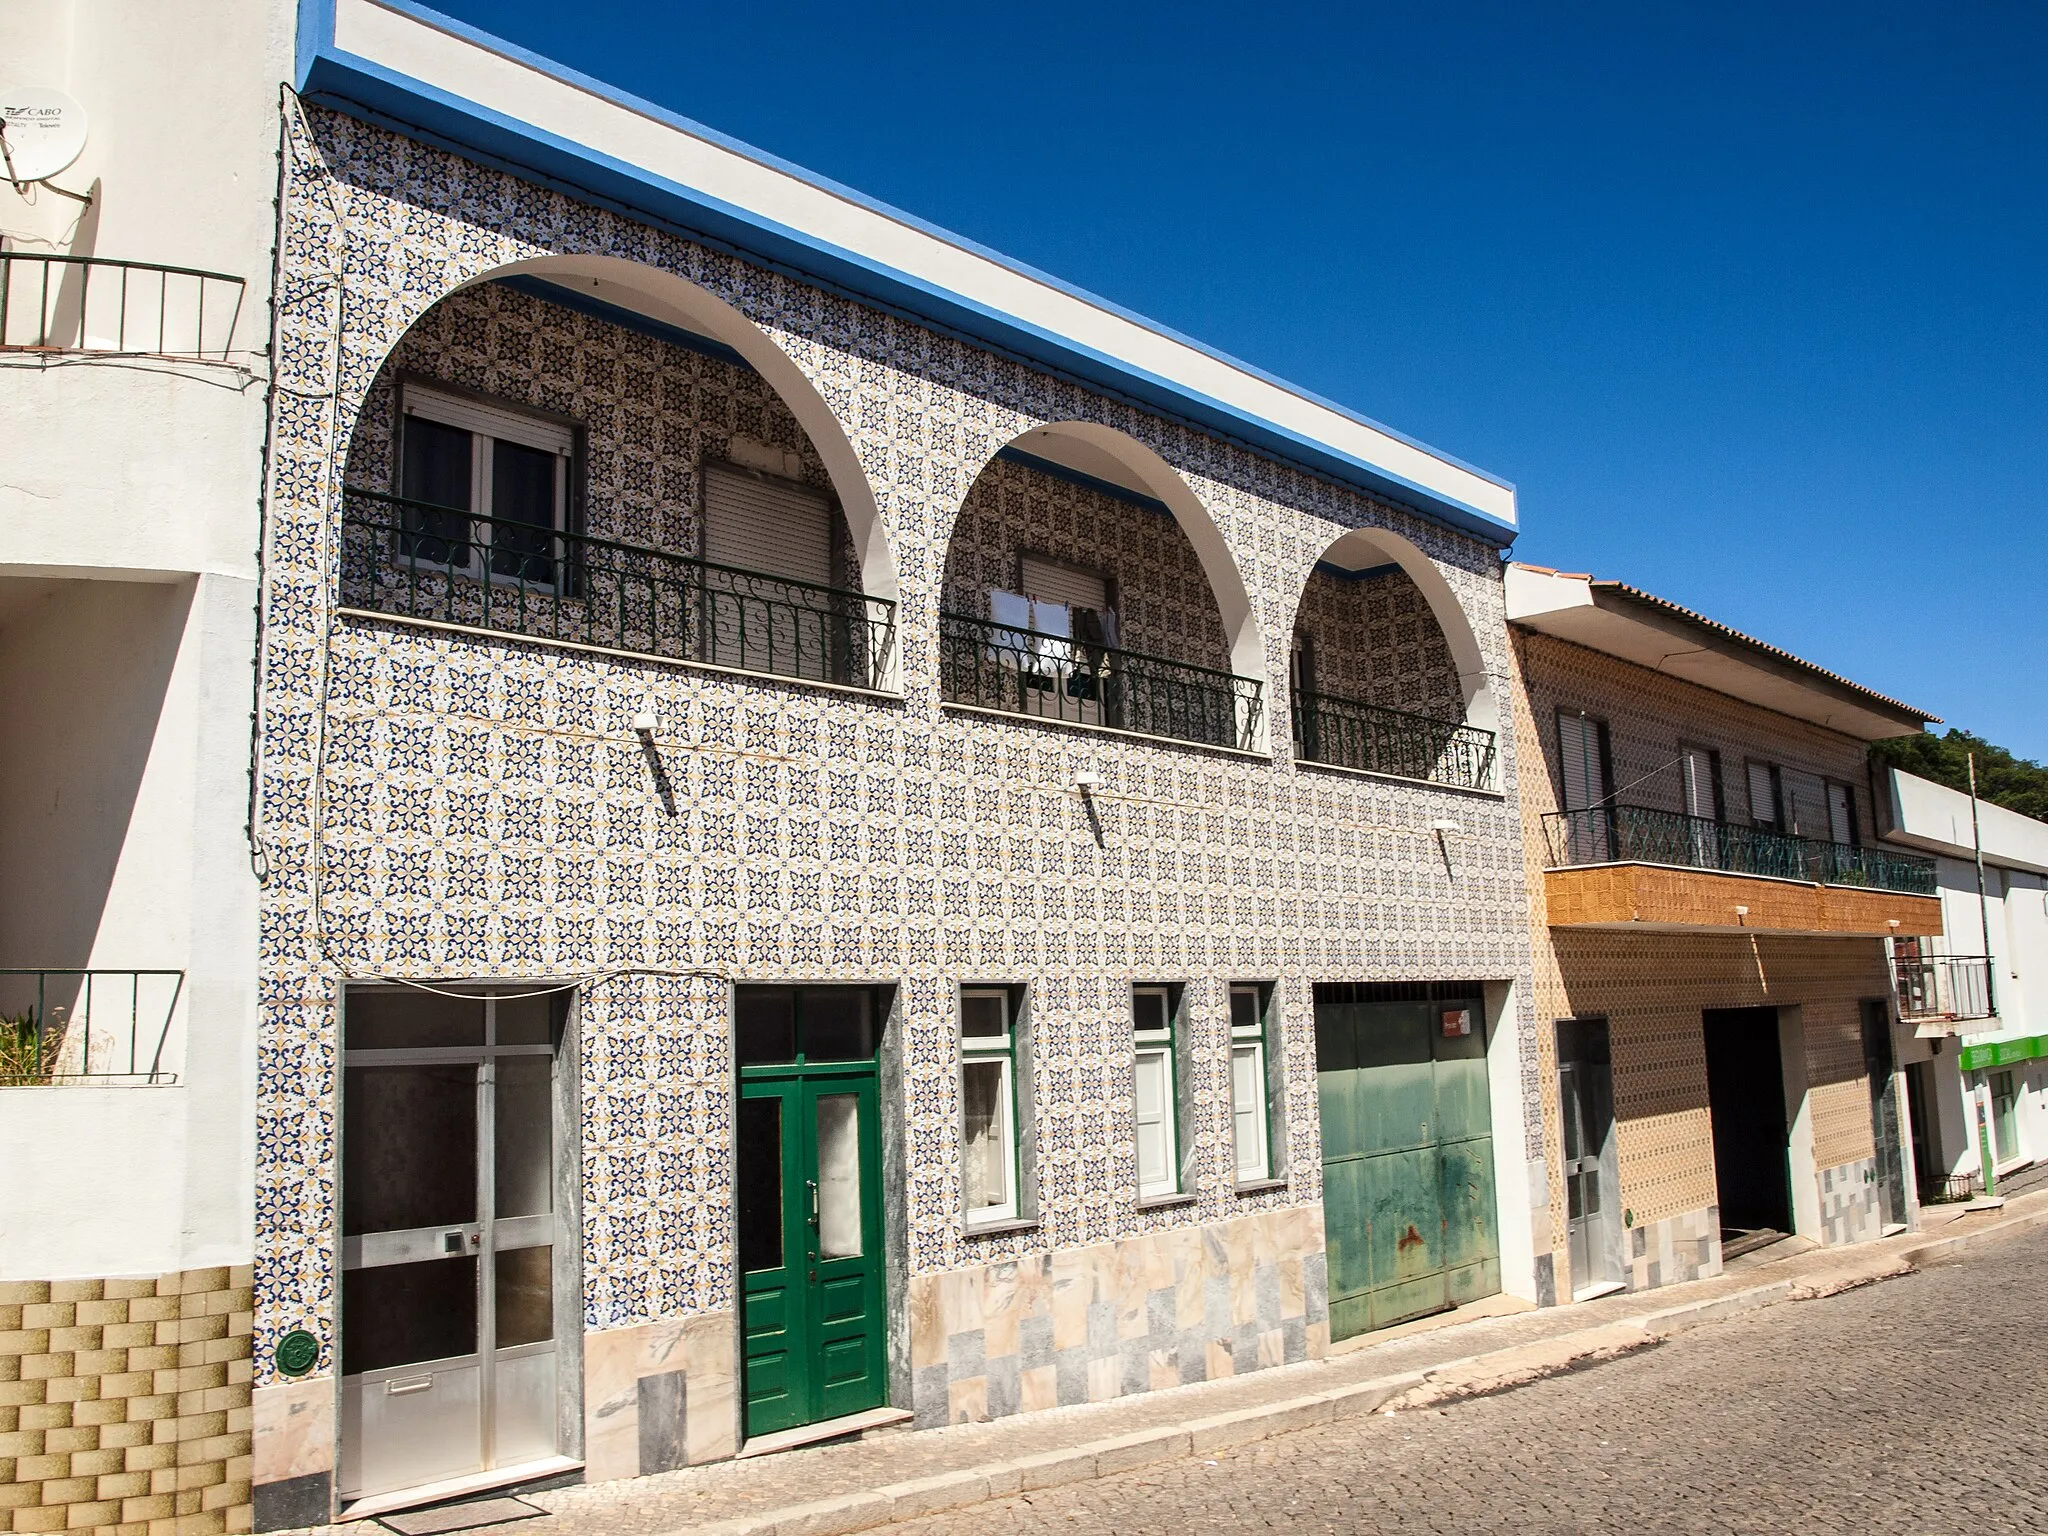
[(1362, 548), (1104, 453), (1107, 454), (675, 300)]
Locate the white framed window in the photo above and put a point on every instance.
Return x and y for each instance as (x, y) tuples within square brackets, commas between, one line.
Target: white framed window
[(988, 1106), (485, 487), (1155, 1091), (1251, 1115)]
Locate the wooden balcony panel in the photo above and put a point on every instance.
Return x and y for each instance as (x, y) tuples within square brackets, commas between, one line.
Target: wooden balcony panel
[(1703, 901)]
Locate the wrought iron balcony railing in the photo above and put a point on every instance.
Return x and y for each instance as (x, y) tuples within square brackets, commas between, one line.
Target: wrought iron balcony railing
[(1351, 734), (446, 565), (1943, 987), (86, 1026), (1636, 834), (52, 303), (1024, 672)]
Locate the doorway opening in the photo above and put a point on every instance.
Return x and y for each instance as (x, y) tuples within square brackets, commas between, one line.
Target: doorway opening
[(809, 1197), (1746, 1099), (1585, 1095), (459, 1275), (1880, 1069)]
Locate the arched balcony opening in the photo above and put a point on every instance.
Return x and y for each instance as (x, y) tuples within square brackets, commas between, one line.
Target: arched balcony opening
[(1385, 674), (1086, 583), (586, 451)]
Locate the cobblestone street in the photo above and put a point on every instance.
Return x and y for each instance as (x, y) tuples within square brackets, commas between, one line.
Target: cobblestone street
[(1915, 1405)]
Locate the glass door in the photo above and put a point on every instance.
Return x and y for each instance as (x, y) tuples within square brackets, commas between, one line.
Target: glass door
[(448, 1230), (1585, 1094)]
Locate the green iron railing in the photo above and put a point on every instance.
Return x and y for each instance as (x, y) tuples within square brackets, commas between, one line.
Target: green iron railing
[(85, 1026), (1637, 834), (1052, 677), (419, 560), (52, 303), (1350, 734)]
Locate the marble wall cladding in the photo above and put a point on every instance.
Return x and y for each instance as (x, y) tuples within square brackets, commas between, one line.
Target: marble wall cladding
[(1373, 638), (1678, 1248), (1087, 1324), (660, 1396), (1851, 1210), (1163, 602), (448, 805)]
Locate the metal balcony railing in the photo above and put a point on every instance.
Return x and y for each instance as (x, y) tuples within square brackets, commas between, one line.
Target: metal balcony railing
[(1052, 677), (446, 565), (1943, 987), (86, 1026), (1351, 734), (1636, 834), (52, 303)]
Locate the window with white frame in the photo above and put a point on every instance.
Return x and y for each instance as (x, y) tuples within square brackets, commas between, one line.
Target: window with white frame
[(1155, 1091), (487, 488), (988, 1105), (1251, 1117)]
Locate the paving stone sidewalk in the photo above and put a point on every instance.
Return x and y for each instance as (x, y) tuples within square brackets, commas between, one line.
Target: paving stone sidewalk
[(899, 1475)]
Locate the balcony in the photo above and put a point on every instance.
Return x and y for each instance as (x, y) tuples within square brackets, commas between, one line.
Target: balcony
[(1346, 733), (1634, 866), (1016, 671), (51, 303), (86, 1027), (1939, 989), (449, 567)]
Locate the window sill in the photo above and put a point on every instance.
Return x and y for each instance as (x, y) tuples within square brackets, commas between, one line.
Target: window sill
[(1261, 1186), (1001, 1228), (1163, 1202)]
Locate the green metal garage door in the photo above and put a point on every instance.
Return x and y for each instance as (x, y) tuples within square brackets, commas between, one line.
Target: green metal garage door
[(1408, 1205)]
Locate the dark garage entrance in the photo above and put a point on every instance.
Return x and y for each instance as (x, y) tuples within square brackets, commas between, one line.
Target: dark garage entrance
[(1746, 1097)]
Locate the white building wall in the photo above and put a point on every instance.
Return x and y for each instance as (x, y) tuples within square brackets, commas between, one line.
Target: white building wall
[(2013, 914), (128, 538)]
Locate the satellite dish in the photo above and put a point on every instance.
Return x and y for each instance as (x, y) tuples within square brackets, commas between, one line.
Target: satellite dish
[(43, 131)]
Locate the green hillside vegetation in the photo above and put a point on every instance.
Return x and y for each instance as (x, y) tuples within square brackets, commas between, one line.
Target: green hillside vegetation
[(2002, 779)]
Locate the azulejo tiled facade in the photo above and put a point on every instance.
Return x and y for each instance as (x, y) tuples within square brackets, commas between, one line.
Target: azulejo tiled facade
[(461, 806)]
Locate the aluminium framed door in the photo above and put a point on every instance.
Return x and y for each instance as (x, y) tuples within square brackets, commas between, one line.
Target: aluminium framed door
[(449, 1158)]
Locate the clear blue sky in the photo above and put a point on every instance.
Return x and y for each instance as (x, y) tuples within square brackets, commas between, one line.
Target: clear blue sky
[(1750, 302)]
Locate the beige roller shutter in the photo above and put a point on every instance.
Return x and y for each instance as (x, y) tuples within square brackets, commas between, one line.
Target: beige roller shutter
[(763, 523), (1054, 581)]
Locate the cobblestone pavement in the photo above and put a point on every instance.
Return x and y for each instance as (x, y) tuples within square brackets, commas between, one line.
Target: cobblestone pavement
[(1918, 1405)]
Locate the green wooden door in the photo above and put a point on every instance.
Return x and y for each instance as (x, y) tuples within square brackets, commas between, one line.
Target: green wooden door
[(1408, 1200), (810, 1236)]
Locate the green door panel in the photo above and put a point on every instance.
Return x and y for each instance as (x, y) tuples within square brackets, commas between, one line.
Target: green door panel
[(810, 1245), (1347, 1228), (1408, 1188)]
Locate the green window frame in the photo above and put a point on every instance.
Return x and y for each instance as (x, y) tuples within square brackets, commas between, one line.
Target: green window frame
[(1251, 1093), (990, 1173), (1155, 1085)]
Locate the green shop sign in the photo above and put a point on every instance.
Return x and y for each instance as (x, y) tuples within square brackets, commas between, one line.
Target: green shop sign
[(2001, 1053)]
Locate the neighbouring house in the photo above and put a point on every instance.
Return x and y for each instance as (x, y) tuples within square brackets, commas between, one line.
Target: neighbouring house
[(1712, 914), (841, 832), (135, 328), (1973, 1001)]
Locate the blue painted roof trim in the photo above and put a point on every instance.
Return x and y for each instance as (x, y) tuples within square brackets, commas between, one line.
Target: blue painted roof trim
[(1365, 573), (357, 86), (625, 319)]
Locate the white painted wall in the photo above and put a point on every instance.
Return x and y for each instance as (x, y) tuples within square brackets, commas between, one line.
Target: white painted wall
[(1521, 1191), (129, 490)]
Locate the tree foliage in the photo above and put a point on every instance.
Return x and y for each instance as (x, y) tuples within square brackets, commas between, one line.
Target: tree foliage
[(2002, 779)]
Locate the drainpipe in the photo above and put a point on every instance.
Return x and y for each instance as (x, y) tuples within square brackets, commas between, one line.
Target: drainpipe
[(1983, 902)]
